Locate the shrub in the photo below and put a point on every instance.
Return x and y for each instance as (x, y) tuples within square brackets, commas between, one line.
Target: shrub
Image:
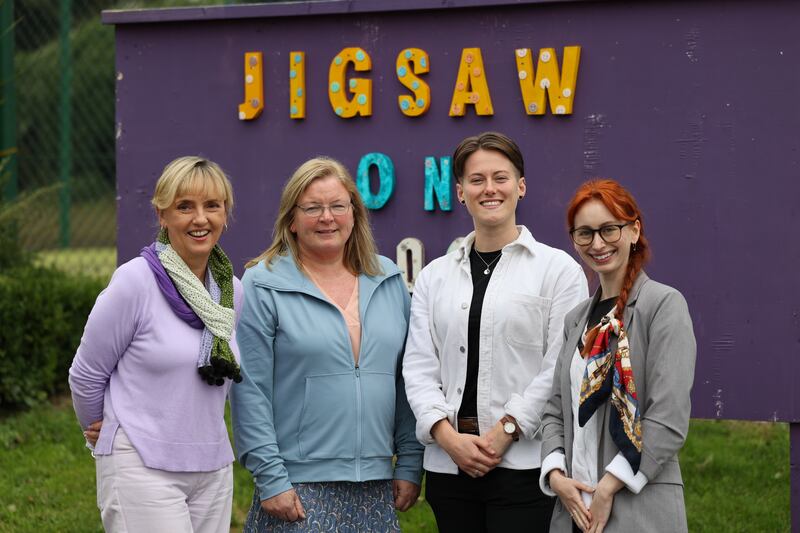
[(43, 312), (11, 253)]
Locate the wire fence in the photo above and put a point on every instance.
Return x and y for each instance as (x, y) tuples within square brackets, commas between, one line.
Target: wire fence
[(57, 114)]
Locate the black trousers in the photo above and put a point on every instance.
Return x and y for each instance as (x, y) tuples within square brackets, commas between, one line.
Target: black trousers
[(502, 501)]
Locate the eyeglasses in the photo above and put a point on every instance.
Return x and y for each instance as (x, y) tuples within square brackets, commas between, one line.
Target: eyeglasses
[(610, 233), (315, 210)]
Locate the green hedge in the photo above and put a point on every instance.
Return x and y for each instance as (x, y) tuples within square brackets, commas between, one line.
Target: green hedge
[(42, 312)]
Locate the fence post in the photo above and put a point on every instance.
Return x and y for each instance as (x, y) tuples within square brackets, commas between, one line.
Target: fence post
[(65, 112), (794, 474), (8, 100)]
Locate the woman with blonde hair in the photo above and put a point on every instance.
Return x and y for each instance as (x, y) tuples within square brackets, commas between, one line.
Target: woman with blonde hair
[(321, 413), (620, 408), (151, 375)]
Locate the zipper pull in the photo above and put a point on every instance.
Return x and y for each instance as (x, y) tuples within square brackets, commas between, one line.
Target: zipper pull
[(358, 372)]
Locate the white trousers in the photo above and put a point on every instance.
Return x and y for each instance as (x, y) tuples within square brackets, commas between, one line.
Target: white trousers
[(133, 498)]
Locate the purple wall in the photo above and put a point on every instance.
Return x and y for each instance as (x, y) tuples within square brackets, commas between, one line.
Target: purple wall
[(689, 104)]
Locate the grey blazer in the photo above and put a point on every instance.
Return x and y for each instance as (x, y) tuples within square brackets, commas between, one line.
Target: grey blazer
[(662, 351)]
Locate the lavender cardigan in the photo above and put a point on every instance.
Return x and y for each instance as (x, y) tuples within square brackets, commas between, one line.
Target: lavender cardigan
[(136, 368)]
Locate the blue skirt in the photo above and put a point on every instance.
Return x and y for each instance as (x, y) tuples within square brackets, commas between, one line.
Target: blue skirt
[(333, 507)]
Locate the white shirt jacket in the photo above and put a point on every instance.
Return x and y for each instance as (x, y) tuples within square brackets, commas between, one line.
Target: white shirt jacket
[(521, 333)]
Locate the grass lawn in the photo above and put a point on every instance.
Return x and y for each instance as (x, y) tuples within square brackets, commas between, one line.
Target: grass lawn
[(736, 476)]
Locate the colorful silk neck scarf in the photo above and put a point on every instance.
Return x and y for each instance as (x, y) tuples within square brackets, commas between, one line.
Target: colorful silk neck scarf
[(209, 307), (610, 374)]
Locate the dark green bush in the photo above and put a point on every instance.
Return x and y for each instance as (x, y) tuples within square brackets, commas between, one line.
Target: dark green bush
[(43, 312), (11, 253)]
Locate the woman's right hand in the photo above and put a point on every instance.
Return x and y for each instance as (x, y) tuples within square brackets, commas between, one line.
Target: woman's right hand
[(569, 492), (92, 432), (473, 454), (285, 506)]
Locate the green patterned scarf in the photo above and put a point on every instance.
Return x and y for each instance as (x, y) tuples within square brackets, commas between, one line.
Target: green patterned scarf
[(217, 361)]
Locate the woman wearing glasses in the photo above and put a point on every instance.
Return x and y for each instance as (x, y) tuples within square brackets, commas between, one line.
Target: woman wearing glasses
[(620, 406), (322, 410), (486, 327)]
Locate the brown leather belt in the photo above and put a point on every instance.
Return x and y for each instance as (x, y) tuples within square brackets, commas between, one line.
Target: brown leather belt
[(469, 425)]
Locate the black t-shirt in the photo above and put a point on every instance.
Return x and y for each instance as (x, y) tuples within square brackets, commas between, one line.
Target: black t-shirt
[(480, 280)]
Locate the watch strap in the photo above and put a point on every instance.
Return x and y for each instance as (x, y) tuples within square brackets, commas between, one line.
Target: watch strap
[(507, 420)]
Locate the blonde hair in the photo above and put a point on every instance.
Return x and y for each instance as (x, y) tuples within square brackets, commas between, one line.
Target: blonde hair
[(190, 174), (360, 253)]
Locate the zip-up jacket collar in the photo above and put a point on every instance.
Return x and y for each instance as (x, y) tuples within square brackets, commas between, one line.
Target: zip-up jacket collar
[(283, 275)]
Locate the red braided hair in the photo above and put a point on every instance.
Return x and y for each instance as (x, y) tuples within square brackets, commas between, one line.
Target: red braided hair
[(623, 206)]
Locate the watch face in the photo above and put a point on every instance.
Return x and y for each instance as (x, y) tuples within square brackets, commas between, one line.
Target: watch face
[(509, 427)]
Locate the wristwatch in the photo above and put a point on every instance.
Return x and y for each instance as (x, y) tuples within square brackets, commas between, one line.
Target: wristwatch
[(510, 427)]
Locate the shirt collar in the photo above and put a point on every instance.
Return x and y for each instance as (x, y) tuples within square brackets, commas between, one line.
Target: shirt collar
[(524, 241)]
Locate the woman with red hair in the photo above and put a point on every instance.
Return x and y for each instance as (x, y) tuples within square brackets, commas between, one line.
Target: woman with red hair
[(620, 407)]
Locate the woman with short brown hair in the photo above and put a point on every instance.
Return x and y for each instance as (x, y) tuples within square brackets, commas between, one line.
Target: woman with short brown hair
[(486, 326)]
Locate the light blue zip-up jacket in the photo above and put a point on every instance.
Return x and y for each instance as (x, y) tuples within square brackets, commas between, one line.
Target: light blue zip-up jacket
[(304, 412)]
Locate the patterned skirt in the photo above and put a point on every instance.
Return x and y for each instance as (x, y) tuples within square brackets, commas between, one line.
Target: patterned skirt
[(333, 507)]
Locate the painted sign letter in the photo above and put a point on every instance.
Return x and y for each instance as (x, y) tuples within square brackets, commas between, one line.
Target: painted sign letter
[(438, 184), (471, 86), (413, 61), (560, 87), (253, 103), (297, 85), (361, 103), (385, 177)]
